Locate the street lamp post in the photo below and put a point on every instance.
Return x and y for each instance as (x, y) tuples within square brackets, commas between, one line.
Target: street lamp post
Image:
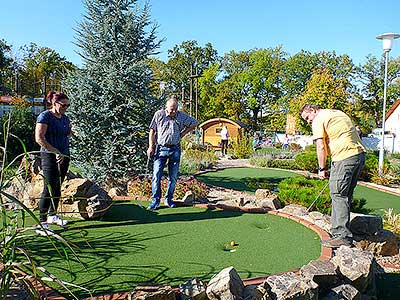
[(387, 40)]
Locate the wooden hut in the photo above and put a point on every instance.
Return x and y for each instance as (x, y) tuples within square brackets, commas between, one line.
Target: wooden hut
[(211, 131)]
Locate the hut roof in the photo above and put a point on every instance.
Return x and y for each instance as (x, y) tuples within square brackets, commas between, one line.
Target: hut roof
[(211, 122)]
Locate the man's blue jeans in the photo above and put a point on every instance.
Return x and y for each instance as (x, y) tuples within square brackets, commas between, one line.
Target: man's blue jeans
[(342, 181), (172, 154)]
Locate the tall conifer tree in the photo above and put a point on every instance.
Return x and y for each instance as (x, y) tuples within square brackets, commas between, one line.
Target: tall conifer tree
[(111, 103)]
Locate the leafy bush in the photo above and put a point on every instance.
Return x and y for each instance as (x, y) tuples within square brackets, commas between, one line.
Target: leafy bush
[(194, 160), (274, 153), (386, 177), (22, 127), (371, 164), (295, 147), (141, 186), (242, 148), (278, 145), (267, 162), (310, 148), (392, 221), (395, 156), (307, 161), (303, 191)]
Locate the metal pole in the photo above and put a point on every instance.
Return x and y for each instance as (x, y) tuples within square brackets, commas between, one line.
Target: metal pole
[(191, 90), (197, 98), (183, 98), (382, 149)]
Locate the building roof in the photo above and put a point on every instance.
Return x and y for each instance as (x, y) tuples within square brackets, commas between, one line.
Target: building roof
[(392, 109), (221, 120)]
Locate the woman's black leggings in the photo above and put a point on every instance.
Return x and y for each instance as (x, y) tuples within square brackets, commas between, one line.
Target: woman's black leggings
[(54, 175)]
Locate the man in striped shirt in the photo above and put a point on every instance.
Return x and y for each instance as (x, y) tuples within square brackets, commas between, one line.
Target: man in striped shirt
[(167, 129)]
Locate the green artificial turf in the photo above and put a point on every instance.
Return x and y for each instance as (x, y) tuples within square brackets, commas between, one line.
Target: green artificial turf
[(378, 202), (132, 245), (245, 179)]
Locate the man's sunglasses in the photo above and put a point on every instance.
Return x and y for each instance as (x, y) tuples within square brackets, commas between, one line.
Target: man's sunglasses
[(63, 105)]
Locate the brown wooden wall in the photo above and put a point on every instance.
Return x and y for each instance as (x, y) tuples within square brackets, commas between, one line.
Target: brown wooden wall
[(211, 133)]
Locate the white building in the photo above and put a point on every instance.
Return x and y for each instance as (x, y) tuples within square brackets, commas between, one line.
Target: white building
[(392, 128)]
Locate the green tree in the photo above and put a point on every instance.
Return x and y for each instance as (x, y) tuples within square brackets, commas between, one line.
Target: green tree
[(297, 71), (42, 69), (21, 128), (185, 60), (323, 90), (111, 98), (371, 78), (5, 66)]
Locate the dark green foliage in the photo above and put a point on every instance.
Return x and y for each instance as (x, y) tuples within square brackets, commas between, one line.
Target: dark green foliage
[(21, 129), (111, 103), (310, 148), (307, 161), (371, 164), (303, 191)]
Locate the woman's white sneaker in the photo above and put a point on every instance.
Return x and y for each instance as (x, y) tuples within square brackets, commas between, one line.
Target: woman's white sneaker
[(55, 219), (44, 229)]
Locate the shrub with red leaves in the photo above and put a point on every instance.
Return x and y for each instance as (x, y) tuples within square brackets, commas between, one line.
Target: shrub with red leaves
[(141, 186)]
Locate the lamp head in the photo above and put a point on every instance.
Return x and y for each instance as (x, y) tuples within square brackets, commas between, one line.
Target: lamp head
[(387, 39)]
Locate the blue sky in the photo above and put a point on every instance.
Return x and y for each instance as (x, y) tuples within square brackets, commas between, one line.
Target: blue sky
[(344, 26)]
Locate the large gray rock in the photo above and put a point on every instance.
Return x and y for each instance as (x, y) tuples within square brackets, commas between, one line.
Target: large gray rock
[(194, 289), (324, 273), (365, 224), (266, 199), (81, 198), (383, 243), (295, 209), (291, 286), (357, 267), (226, 285), (343, 292), (188, 198)]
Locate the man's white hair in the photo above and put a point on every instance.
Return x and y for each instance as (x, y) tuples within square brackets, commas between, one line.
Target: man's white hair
[(172, 100)]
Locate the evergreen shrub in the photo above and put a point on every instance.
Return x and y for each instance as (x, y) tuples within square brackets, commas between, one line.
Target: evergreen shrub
[(111, 97), (303, 191), (307, 161)]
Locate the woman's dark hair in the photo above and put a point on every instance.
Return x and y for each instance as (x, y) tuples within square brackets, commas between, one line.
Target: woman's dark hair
[(55, 96)]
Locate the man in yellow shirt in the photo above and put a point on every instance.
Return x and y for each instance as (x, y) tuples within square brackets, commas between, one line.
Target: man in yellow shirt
[(336, 136)]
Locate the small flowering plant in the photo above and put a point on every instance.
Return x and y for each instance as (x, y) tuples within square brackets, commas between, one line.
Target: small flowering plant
[(141, 186)]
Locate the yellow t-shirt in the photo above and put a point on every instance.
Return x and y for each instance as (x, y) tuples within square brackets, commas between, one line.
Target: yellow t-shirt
[(338, 132)]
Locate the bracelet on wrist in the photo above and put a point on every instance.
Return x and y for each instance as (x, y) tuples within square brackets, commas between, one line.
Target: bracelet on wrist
[(321, 169)]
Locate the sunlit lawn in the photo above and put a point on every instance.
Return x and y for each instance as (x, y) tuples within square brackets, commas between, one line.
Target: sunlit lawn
[(132, 245)]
